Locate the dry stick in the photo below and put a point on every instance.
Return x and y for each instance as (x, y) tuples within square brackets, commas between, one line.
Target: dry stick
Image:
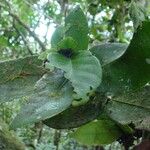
[(40, 135), (57, 136), (40, 131)]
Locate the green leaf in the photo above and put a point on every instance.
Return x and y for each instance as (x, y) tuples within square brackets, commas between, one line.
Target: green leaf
[(131, 71), (99, 132), (18, 77), (77, 28), (125, 77), (108, 52), (57, 36), (83, 70), (49, 98), (74, 117), (130, 108), (67, 43), (3, 42)]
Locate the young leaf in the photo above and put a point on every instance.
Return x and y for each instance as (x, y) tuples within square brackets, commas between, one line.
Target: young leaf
[(77, 28), (57, 36), (83, 71), (99, 132), (50, 97), (67, 43)]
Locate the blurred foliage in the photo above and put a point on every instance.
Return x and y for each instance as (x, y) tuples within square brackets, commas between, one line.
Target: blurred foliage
[(22, 21)]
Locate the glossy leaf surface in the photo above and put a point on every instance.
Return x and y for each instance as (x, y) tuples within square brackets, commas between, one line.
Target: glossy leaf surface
[(108, 52), (49, 98), (81, 71), (74, 117), (131, 71)]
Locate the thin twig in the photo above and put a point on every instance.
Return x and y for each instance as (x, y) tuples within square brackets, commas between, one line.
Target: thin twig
[(28, 29), (14, 16), (24, 40)]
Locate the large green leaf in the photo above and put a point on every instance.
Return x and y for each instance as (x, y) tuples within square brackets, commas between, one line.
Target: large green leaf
[(132, 70), (74, 117), (77, 28), (83, 70), (18, 77), (108, 52), (129, 73), (133, 108), (98, 132), (49, 98)]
